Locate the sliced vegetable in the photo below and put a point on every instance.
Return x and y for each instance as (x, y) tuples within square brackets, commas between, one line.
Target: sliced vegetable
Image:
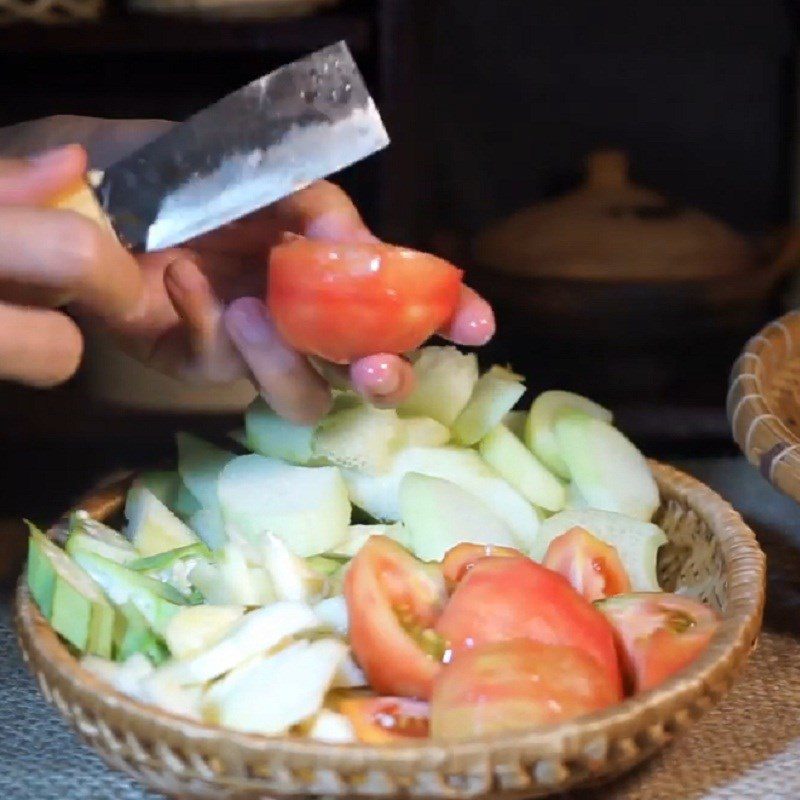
[(200, 464), (168, 558), (81, 522), (606, 468), (328, 726), (164, 484), (380, 495), (197, 628), (514, 685), (185, 503), (357, 536), (440, 515), (333, 611), (124, 677), (257, 632), (345, 301), (658, 634), (422, 432), (393, 601), (445, 379), (636, 542), (494, 395), (134, 635), (290, 576), (509, 457), (270, 435), (306, 507), (592, 567), (575, 499), (122, 552), (515, 422), (184, 701), (462, 558), (386, 720), (152, 527), (68, 597), (229, 580), (362, 438), (275, 692), (208, 525), (500, 599), (539, 429)]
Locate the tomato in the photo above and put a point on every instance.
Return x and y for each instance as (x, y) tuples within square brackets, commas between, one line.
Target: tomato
[(591, 566), (513, 598), (463, 557), (658, 634), (343, 301), (393, 602), (383, 720), (516, 684)]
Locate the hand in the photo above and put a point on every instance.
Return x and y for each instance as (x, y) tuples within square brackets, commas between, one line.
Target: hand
[(191, 311)]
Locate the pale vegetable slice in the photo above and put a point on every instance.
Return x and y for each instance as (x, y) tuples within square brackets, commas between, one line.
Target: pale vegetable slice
[(208, 525), (574, 498), (278, 691), (606, 468), (515, 422), (164, 484), (362, 438), (306, 507), (509, 457), (68, 597), (197, 628), (125, 677), (162, 561), (185, 701), (422, 432), (380, 495), (333, 611), (358, 535), (291, 577), (200, 464), (133, 635), (81, 522), (440, 515), (122, 552), (495, 394), (350, 675), (257, 632), (539, 428), (185, 503), (152, 527), (636, 542), (445, 378), (230, 580), (329, 726), (267, 434)]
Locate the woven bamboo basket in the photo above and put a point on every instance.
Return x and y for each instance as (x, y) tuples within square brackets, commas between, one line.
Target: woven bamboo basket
[(711, 554), (764, 402)]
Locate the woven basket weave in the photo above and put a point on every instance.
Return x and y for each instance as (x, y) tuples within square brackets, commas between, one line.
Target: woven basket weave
[(711, 554), (764, 402)]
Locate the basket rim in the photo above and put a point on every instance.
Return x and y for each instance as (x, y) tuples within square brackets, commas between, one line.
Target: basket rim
[(714, 669), (764, 438)]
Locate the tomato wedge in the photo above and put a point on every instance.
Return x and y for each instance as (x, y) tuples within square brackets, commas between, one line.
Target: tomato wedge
[(516, 684), (393, 602), (500, 599), (463, 557), (658, 634), (386, 720), (343, 301), (592, 567)]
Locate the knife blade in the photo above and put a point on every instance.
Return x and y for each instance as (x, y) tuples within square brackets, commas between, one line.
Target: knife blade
[(278, 134)]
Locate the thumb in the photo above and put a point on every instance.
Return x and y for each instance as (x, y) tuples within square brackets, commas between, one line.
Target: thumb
[(39, 179)]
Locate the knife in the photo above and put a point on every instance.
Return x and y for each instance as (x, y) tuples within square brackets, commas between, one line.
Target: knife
[(278, 134)]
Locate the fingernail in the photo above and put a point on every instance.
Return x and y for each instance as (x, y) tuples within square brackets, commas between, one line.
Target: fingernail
[(246, 320), (377, 374), (336, 227), (474, 331)]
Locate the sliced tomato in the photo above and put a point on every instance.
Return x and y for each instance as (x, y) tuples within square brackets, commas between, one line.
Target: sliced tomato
[(517, 684), (343, 301), (592, 567), (500, 599), (393, 602), (386, 720), (463, 557), (658, 634)]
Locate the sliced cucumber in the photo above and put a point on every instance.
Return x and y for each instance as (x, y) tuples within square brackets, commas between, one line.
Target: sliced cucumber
[(606, 467), (636, 542), (156, 601), (380, 495), (440, 515), (164, 484), (359, 534), (515, 422), (306, 507), (125, 677), (257, 632), (133, 635), (164, 560), (333, 611), (362, 438), (495, 394), (509, 457), (539, 429), (152, 527), (186, 503), (208, 525), (270, 435), (422, 432), (81, 522), (291, 577), (327, 565), (256, 698), (123, 552), (68, 597), (330, 726), (445, 378), (200, 464), (195, 629), (575, 499), (230, 580)]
